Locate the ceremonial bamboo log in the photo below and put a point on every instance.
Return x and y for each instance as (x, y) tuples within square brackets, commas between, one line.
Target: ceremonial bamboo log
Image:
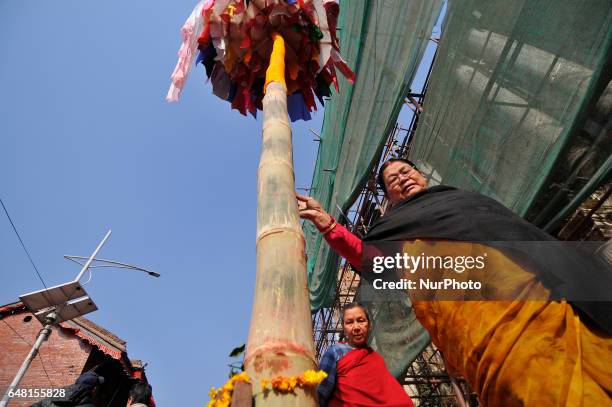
[(280, 339)]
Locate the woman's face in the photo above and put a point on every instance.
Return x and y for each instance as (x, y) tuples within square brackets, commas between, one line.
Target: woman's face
[(356, 327), (402, 181)]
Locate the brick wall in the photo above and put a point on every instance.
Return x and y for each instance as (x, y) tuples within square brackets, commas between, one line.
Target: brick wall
[(63, 355)]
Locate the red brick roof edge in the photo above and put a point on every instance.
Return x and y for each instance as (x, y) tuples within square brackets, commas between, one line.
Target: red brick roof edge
[(87, 331)]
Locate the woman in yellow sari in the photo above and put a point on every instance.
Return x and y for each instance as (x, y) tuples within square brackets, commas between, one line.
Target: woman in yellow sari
[(514, 345)]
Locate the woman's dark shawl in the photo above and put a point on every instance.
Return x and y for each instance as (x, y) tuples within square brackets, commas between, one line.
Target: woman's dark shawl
[(446, 213)]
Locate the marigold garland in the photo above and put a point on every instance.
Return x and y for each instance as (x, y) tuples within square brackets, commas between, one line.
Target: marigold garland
[(287, 384), (222, 397)]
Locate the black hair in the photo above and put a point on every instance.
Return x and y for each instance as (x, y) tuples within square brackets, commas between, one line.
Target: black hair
[(141, 393), (379, 177), (352, 305)]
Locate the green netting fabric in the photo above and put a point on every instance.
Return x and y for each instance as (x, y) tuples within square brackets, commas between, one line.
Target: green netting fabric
[(511, 83), (395, 332), (383, 42)]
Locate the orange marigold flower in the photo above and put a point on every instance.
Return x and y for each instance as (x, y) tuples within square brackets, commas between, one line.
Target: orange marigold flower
[(228, 386), (242, 376), (312, 378), (280, 383)]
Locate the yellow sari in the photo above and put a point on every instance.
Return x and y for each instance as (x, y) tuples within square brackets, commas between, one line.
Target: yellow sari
[(517, 352)]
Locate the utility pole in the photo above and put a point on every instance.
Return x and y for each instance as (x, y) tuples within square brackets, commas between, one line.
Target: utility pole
[(58, 304)]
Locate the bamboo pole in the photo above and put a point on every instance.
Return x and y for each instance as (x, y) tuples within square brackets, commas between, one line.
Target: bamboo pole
[(280, 337)]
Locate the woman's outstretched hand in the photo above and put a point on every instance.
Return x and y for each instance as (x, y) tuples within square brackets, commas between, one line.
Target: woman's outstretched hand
[(310, 209)]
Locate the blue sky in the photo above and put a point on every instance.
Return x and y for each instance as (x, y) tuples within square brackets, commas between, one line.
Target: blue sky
[(88, 143)]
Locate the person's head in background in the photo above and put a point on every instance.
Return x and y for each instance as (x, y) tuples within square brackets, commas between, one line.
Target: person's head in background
[(356, 324), (140, 395)]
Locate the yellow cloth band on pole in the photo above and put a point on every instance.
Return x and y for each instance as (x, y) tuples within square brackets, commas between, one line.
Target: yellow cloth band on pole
[(276, 69)]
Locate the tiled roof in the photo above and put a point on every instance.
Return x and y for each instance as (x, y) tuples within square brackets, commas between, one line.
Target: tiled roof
[(101, 332), (87, 331)]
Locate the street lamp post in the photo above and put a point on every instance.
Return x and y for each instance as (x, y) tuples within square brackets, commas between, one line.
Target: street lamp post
[(61, 303)]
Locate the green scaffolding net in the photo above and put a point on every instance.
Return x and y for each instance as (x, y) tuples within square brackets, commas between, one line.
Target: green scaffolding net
[(512, 84), (383, 42), (395, 331)]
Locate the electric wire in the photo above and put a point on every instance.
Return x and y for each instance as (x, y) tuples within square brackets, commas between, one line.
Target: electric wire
[(31, 345), (23, 244), (42, 363)]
